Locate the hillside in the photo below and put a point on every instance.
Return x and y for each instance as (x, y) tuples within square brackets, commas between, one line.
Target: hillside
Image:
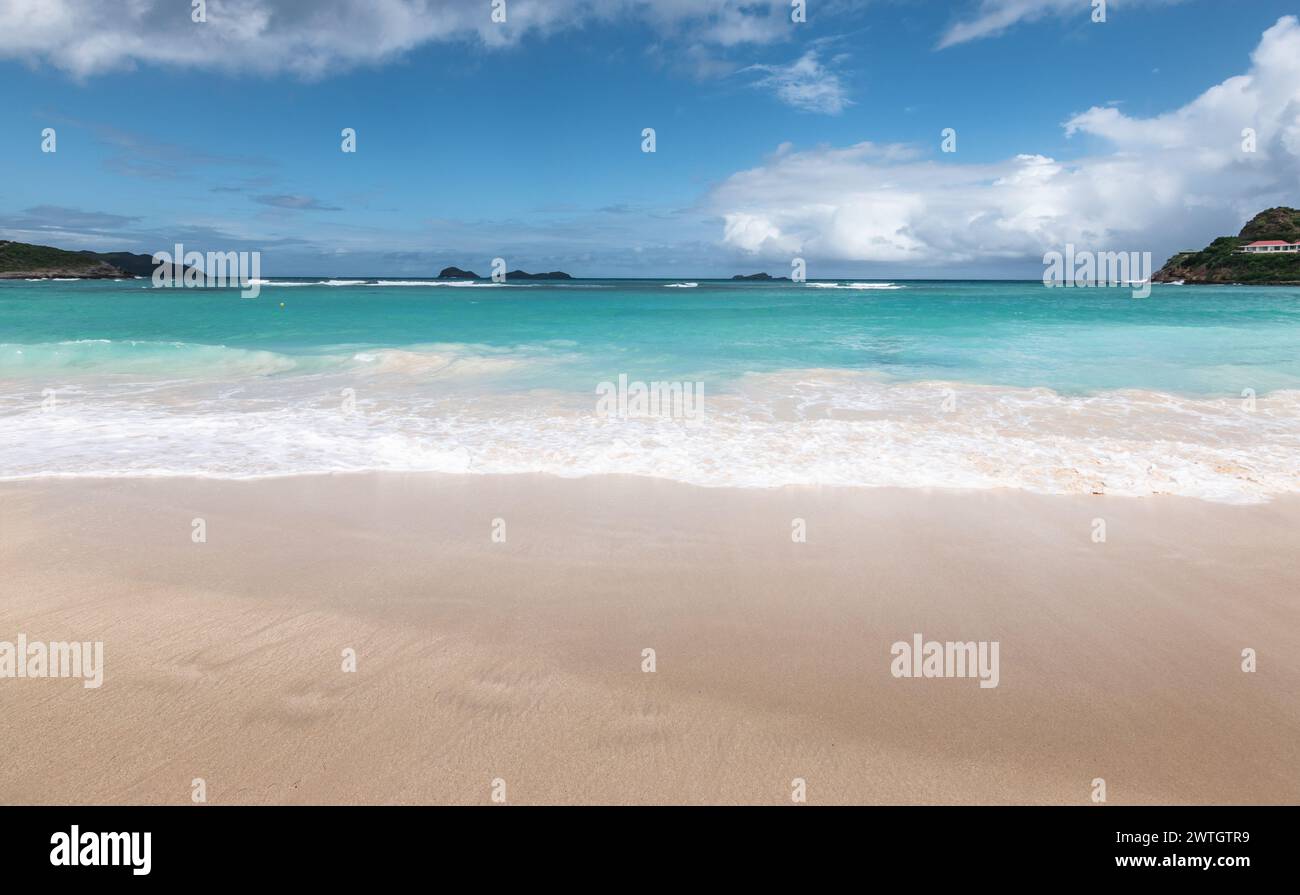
[(1219, 262), (21, 260)]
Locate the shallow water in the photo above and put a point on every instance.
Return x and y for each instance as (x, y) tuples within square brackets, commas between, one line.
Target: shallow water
[(1194, 390)]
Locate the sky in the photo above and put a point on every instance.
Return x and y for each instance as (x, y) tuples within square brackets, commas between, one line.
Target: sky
[(523, 139)]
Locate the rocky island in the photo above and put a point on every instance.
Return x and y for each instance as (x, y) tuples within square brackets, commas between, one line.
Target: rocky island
[(758, 277), (1265, 253), (455, 273), (524, 275), (21, 260)]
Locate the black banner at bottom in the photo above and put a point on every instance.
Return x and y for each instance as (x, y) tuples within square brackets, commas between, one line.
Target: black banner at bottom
[(334, 844)]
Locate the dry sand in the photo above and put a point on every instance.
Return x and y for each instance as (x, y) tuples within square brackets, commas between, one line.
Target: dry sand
[(522, 660)]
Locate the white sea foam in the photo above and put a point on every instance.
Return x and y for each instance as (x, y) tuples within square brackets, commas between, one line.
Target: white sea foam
[(680, 285), (439, 360), (861, 286), (428, 408), (463, 284)]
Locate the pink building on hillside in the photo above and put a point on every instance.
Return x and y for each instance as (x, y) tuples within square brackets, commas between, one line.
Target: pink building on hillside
[(1270, 245)]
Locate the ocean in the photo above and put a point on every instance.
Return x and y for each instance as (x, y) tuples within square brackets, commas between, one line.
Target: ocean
[(1192, 391)]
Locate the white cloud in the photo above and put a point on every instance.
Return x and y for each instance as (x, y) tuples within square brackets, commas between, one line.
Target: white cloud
[(316, 38), (1162, 183), (805, 84), (995, 16)]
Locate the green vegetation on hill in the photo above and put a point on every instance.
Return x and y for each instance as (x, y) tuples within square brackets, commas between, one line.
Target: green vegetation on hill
[(1276, 223), (1220, 262), (21, 259)]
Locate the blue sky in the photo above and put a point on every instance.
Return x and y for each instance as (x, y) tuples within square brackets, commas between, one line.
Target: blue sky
[(774, 139)]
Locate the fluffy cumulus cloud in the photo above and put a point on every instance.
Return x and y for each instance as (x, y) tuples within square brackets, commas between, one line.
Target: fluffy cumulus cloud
[(1160, 184), (992, 17), (316, 38)]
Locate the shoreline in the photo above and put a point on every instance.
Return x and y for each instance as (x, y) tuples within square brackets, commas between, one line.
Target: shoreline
[(1003, 492), (522, 660)]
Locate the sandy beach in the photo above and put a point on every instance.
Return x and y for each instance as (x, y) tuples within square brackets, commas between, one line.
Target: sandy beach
[(521, 660)]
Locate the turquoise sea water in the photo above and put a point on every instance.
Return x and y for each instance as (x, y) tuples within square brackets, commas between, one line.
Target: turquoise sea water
[(955, 384), (1190, 340)]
